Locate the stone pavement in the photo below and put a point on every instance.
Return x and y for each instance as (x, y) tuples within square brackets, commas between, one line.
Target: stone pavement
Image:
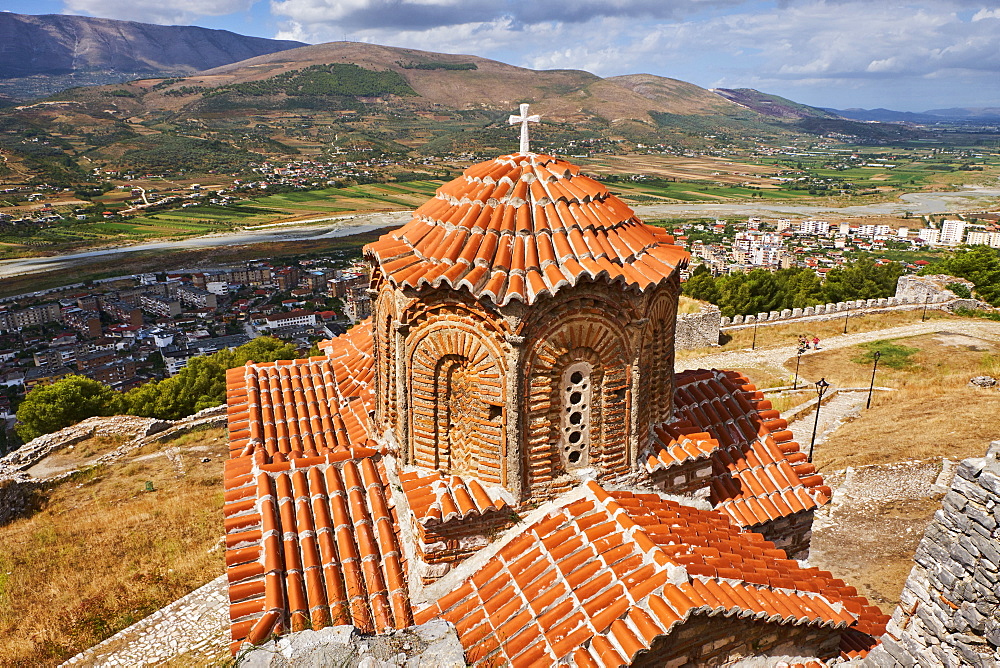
[(194, 629)]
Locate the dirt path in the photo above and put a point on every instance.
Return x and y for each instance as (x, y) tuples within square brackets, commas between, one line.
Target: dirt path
[(841, 408)]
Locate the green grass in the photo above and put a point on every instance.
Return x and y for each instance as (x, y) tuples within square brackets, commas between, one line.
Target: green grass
[(893, 355)]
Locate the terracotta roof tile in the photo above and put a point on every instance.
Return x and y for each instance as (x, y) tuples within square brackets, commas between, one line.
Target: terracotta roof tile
[(577, 583), (304, 407), (565, 227), (756, 476), (321, 547)]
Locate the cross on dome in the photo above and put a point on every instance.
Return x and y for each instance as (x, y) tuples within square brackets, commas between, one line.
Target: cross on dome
[(524, 119)]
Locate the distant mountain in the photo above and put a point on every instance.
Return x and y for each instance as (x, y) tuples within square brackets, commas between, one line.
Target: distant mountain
[(56, 45), (970, 114), (772, 105)]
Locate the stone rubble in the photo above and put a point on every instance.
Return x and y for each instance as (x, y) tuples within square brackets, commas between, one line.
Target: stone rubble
[(949, 611), (434, 644), (983, 381)]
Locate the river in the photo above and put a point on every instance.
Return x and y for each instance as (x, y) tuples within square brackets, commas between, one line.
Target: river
[(968, 199)]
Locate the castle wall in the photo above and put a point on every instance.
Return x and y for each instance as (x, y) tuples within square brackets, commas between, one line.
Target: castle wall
[(949, 611), (698, 330)]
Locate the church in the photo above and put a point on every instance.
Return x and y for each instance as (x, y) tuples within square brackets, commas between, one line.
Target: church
[(505, 445)]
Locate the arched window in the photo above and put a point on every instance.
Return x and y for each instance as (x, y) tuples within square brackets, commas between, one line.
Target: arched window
[(576, 393)]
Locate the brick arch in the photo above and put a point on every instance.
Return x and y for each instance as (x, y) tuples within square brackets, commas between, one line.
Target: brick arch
[(456, 382), (657, 364), (584, 333)]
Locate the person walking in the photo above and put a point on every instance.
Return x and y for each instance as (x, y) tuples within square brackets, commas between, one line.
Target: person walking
[(815, 343)]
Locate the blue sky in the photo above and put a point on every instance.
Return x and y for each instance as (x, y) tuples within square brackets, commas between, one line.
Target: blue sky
[(912, 55)]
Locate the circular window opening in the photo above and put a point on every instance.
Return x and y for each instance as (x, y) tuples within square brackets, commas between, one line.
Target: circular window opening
[(574, 457), (575, 398), (576, 418), (574, 437), (576, 377)]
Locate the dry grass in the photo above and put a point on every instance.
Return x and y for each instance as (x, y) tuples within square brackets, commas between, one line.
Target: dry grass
[(932, 413), (102, 553), (688, 305)]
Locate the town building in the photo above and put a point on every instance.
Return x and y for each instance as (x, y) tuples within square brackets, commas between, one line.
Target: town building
[(296, 318), (952, 232), (196, 297), (505, 445), (29, 317)]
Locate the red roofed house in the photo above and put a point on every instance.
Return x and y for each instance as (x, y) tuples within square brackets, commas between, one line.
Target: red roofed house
[(505, 445)]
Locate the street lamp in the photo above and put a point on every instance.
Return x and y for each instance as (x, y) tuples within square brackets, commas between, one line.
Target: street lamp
[(798, 360), (753, 346), (846, 316), (872, 386), (927, 300), (821, 388)]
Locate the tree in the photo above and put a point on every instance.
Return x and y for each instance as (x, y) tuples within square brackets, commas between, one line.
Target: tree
[(202, 383), (980, 264), (49, 408)]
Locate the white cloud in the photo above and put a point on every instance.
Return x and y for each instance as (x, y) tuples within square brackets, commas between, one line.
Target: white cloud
[(156, 11)]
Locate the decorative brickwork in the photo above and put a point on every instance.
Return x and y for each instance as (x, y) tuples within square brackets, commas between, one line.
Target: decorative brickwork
[(577, 333), (457, 396)]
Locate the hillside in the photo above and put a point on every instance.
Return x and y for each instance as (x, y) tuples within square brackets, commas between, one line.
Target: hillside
[(771, 105), (360, 101), (58, 46)]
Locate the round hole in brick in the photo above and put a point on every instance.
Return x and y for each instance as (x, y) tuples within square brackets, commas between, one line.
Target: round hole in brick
[(575, 398), (574, 457), (576, 417), (576, 377), (575, 437)]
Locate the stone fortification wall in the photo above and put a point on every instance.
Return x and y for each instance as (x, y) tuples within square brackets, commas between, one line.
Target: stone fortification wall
[(919, 288), (838, 310), (19, 490), (949, 611), (698, 330)]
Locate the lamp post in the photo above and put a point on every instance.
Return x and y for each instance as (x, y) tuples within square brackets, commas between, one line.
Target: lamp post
[(798, 360), (821, 388), (846, 316), (927, 300), (872, 386), (753, 346)]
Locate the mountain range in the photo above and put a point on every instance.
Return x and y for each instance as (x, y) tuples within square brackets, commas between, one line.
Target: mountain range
[(82, 50)]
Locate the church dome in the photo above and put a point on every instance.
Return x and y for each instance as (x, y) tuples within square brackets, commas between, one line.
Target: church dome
[(521, 227)]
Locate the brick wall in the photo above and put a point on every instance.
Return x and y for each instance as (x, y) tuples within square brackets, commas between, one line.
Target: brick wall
[(684, 478), (698, 330)]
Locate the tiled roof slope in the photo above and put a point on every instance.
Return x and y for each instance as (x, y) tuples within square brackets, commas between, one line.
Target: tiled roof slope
[(600, 576), (311, 542), (521, 227), (304, 407), (759, 473), (438, 498)]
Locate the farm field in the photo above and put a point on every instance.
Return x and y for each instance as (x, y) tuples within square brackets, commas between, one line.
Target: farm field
[(207, 219)]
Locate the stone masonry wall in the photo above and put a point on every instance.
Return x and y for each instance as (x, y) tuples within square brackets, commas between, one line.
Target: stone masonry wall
[(823, 311), (698, 330), (949, 611)]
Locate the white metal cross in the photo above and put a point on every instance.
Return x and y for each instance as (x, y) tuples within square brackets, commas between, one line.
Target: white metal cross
[(524, 119)]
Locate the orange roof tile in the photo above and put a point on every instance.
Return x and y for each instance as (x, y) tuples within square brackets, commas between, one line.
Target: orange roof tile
[(304, 407), (437, 498), (312, 542), (596, 577), (759, 474), (521, 227)]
